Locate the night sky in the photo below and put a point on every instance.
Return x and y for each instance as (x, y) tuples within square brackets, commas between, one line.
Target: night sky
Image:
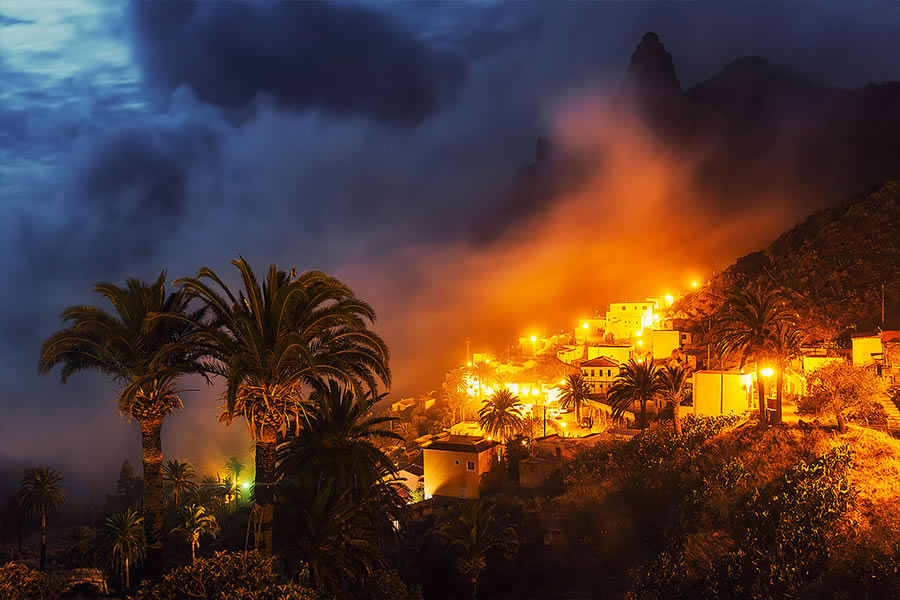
[(368, 140)]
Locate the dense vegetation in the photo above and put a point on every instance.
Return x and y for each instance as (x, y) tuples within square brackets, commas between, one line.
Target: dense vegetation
[(833, 264)]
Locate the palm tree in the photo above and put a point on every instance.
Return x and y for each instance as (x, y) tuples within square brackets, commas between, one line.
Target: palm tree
[(474, 530), (574, 392), (234, 466), (273, 342), (145, 346), (330, 534), (501, 416), (337, 440), (785, 345), (178, 479), (484, 372), (41, 495), (748, 319), (674, 380), (123, 542), (194, 521), (636, 382), (407, 431)]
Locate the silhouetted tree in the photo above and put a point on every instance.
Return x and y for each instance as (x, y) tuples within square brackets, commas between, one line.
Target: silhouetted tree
[(574, 393), (473, 530), (747, 322), (122, 541), (40, 495), (501, 415), (178, 479), (636, 382), (675, 379), (145, 346), (272, 342)]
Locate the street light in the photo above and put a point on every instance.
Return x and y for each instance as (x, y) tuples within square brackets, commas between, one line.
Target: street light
[(767, 372)]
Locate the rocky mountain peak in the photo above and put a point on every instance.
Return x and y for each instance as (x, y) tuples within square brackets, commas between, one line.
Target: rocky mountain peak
[(651, 70)]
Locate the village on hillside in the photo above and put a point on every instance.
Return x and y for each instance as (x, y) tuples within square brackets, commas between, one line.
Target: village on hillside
[(450, 459)]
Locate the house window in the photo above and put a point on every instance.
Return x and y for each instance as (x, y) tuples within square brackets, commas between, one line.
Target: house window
[(455, 463), (462, 492), (470, 465), (623, 308)]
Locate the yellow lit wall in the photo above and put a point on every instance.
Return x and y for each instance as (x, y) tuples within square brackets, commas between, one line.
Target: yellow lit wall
[(446, 472), (864, 348), (717, 393)]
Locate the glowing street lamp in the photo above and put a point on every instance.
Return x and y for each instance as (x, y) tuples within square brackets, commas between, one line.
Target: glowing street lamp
[(767, 372), (669, 299), (533, 338), (694, 284), (640, 342), (585, 326)]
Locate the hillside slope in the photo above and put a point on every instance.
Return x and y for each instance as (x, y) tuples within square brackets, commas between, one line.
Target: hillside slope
[(834, 265)]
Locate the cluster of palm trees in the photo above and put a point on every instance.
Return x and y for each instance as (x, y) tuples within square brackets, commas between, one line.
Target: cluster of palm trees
[(758, 324), (642, 381), (281, 346)]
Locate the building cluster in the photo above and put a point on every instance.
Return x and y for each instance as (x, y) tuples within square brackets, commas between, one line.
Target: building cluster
[(455, 460)]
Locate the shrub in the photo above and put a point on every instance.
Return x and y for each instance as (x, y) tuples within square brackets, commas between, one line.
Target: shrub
[(225, 576), (18, 582), (789, 529), (842, 390)]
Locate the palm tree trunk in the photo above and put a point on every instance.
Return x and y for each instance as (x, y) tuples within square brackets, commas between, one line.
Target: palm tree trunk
[(43, 539), (265, 488), (643, 414), (779, 381), (151, 449), (676, 421), (127, 575), (761, 390), (193, 551)]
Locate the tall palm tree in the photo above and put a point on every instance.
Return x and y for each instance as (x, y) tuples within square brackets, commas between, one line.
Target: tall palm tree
[(747, 321), (785, 345), (273, 342), (178, 479), (41, 495), (337, 440), (574, 392), (485, 373), (194, 521), (636, 382), (123, 543), (474, 530), (501, 415), (675, 379), (145, 346)]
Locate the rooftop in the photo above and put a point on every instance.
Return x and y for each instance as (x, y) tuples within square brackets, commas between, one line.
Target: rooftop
[(462, 443), (600, 361)]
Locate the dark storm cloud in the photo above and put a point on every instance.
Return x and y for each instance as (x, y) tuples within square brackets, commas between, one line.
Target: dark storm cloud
[(335, 56)]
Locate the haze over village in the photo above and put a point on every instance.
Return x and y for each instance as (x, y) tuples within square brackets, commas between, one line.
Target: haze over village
[(447, 300)]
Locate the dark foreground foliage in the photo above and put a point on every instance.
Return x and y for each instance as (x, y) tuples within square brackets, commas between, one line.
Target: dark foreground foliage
[(225, 576)]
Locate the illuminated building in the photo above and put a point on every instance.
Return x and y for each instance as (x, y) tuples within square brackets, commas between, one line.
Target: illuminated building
[(454, 465)]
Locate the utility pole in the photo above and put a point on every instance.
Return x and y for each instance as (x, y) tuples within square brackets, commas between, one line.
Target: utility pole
[(882, 305), (468, 351)]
